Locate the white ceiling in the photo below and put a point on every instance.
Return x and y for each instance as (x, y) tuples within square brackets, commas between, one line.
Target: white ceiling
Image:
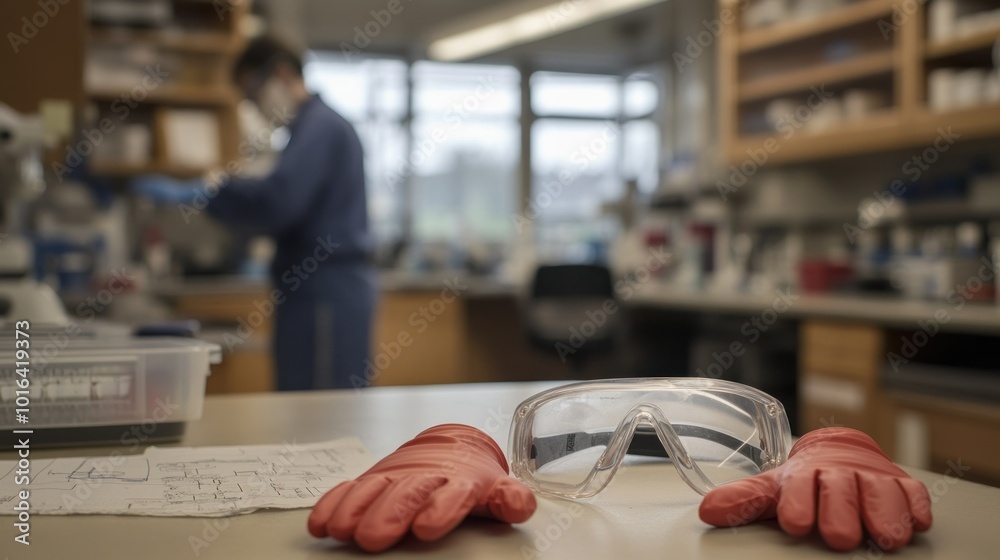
[(610, 46)]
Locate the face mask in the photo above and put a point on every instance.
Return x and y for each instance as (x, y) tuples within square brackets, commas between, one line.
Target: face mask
[(275, 100)]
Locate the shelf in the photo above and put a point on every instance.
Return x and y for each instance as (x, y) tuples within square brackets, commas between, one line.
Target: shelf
[(972, 122), (109, 169), (900, 66), (923, 213), (875, 133), (782, 33), (193, 42), (943, 211), (979, 41), (179, 95), (861, 66), (879, 133)]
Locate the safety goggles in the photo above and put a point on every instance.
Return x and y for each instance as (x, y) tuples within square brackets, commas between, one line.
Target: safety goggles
[(570, 441)]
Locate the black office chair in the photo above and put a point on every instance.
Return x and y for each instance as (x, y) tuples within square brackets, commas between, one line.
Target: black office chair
[(571, 312)]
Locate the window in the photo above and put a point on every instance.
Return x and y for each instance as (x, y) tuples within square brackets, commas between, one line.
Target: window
[(456, 150), (465, 153), (592, 135), (641, 153), (372, 94), (582, 95)]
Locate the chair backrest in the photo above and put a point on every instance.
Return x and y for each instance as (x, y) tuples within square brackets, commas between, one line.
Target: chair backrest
[(572, 281)]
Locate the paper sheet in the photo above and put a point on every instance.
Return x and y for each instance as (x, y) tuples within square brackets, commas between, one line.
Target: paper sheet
[(188, 481)]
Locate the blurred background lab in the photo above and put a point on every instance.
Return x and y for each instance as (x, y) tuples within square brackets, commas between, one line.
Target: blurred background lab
[(799, 195)]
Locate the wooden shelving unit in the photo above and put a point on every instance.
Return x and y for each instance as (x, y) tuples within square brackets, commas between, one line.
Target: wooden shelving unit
[(772, 36), (984, 40), (828, 74), (199, 48), (185, 95), (849, 138), (153, 168), (793, 57), (194, 41)]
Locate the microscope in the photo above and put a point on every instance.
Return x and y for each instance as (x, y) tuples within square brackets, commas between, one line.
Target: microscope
[(23, 141)]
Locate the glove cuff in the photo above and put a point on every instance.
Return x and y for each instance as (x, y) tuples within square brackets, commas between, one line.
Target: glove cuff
[(836, 436), (466, 435)]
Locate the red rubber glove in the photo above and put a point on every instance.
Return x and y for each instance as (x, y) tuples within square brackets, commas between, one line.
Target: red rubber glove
[(837, 479), (429, 485)]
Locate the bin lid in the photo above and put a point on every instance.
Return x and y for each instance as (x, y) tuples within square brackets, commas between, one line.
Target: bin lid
[(70, 348)]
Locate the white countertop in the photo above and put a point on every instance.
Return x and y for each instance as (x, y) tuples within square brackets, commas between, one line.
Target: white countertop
[(644, 514), (973, 317), (890, 311)]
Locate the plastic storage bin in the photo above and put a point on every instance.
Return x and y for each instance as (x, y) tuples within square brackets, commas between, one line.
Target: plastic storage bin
[(107, 390)]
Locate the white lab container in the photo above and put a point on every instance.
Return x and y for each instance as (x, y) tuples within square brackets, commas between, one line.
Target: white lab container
[(941, 20), (861, 103), (105, 389), (941, 89), (970, 85)]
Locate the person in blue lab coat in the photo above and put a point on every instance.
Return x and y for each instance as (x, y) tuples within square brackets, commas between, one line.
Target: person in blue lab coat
[(314, 205)]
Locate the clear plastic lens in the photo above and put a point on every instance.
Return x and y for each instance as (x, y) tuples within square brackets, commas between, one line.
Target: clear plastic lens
[(570, 441), (572, 468), (721, 464)]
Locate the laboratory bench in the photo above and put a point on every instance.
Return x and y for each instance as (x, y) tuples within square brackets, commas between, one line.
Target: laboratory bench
[(643, 515), (470, 286), (972, 317), (460, 328), (226, 307), (827, 357), (919, 376), (389, 281)]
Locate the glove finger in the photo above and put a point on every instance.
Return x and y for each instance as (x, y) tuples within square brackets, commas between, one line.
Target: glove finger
[(885, 511), (346, 516), (391, 514), (797, 502), (920, 503), (741, 502), (445, 509), (838, 513), (510, 501), (320, 514)]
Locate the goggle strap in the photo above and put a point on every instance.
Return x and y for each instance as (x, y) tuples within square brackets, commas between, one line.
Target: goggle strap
[(644, 443)]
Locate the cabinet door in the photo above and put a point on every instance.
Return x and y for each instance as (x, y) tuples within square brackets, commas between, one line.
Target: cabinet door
[(840, 364), (955, 438), (420, 339)]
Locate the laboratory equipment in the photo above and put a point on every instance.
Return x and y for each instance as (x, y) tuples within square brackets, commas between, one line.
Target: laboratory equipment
[(448, 472), (21, 297), (83, 381), (427, 486), (836, 480), (22, 139), (570, 441), (84, 389)]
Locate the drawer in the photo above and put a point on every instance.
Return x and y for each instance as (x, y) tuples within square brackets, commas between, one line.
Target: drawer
[(813, 416), (842, 337), (243, 371), (219, 308), (952, 432), (855, 351), (410, 349), (826, 401)]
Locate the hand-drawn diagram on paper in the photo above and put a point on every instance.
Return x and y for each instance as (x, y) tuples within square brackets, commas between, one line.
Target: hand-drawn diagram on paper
[(176, 481)]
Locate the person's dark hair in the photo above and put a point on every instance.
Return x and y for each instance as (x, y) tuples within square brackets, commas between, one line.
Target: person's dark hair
[(264, 53)]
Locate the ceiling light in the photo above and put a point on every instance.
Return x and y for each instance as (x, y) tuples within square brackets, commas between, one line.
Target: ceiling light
[(529, 25)]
